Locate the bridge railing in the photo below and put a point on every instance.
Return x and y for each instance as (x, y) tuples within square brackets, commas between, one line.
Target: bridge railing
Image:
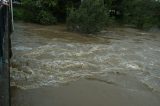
[(5, 31)]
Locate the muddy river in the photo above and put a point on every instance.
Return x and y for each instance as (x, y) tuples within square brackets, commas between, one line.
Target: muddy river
[(54, 67)]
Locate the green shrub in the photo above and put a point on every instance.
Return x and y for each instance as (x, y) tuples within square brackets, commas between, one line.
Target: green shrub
[(91, 17), (22, 14), (18, 14), (141, 13), (45, 18)]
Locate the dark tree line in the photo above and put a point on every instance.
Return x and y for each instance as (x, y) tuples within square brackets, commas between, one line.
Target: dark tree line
[(139, 13), (44, 11)]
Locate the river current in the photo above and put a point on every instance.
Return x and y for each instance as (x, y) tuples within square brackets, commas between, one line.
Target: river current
[(51, 55)]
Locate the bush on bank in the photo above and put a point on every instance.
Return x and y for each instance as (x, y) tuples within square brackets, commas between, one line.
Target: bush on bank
[(37, 11), (142, 13), (45, 18), (91, 17)]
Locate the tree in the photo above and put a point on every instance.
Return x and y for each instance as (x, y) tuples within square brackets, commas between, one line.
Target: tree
[(140, 12), (91, 17)]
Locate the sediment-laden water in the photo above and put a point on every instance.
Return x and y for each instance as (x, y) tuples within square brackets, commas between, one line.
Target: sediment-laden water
[(50, 55)]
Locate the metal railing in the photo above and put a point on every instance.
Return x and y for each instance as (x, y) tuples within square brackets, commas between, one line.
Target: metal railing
[(5, 31)]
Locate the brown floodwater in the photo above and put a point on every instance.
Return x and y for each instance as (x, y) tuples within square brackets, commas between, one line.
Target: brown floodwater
[(52, 66), (84, 93)]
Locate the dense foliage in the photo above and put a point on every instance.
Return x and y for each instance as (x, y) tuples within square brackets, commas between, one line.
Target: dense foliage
[(142, 13), (91, 15), (45, 17), (89, 18), (34, 10)]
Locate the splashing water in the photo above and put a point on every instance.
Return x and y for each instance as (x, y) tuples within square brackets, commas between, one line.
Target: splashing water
[(51, 56)]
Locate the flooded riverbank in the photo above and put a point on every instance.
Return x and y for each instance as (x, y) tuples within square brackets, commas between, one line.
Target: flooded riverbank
[(124, 58)]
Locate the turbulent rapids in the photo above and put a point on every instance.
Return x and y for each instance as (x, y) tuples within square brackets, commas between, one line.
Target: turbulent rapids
[(50, 55)]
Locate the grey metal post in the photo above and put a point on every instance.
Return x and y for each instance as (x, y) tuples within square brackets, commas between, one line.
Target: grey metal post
[(4, 56)]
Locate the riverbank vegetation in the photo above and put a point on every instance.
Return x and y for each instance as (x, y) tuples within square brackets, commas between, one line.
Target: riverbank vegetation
[(90, 16)]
